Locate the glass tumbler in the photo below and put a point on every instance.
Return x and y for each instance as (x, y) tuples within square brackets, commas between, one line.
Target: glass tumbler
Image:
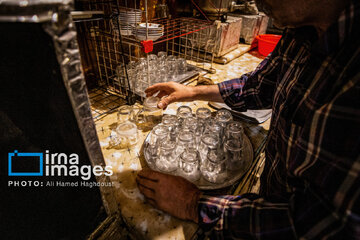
[(181, 65), (167, 161), (213, 127), (213, 169), (233, 154), (203, 115), (127, 134), (158, 135), (185, 140), (125, 113), (223, 117), (234, 131), (189, 165), (208, 142), (182, 113)]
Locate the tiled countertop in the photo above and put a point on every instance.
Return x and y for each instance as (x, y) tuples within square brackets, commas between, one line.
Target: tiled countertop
[(146, 221)]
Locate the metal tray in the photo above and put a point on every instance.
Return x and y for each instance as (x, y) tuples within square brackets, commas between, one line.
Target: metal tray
[(202, 184)]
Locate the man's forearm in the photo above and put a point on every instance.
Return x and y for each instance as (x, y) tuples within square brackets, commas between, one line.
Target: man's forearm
[(207, 93)]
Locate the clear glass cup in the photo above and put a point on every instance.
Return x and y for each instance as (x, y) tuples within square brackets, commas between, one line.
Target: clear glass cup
[(234, 131), (223, 117), (185, 140), (170, 121), (181, 65), (233, 154), (203, 115), (167, 162), (213, 127), (125, 113), (158, 135), (182, 113), (208, 142), (150, 115), (213, 169), (190, 123), (127, 134), (189, 165), (172, 68)]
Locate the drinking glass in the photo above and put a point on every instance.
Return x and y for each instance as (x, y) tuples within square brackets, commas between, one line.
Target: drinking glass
[(169, 121), (213, 169), (213, 127), (127, 134), (234, 131), (203, 115), (208, 142), (157, 136), (167, 161), (223, 117), (125, 113), (181, 65), (233, 154), (182, 113), (190, 123), (185, 140), (189, 165)]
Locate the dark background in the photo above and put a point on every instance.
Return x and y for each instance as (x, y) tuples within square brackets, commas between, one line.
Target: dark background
[(36, 115)]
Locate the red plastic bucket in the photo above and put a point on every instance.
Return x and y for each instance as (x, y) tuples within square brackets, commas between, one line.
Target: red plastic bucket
[(267, 43)]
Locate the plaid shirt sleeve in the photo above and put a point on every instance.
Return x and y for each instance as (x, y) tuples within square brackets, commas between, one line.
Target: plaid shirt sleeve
[(326, 204), (254, 90)]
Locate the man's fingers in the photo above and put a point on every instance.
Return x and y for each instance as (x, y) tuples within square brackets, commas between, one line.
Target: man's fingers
[(152, 202), (157, 87), (166, 101), (148, 173), (148, 183), (148, 192)]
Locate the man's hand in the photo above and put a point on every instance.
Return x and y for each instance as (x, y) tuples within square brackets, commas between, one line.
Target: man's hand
[(172, 194), (174, 92)]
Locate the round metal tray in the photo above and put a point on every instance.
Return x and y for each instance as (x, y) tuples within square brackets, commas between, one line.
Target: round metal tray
[(202, 184)]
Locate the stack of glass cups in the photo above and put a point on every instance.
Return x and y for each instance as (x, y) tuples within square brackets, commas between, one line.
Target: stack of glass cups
[(233, 145), (198, 145), (148, 71)]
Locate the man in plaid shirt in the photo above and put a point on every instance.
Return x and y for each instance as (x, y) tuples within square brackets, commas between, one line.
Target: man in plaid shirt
[(310, 186)]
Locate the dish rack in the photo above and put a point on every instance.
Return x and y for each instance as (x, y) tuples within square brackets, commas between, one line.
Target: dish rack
[(108, 44)]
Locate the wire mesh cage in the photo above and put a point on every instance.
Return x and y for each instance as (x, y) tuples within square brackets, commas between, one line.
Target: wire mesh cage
[(181, 47)]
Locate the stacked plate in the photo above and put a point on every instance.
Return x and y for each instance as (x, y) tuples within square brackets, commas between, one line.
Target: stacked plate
[(155, 31), (128, 19)]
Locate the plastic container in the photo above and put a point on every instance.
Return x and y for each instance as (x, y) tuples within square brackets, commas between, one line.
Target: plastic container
[(267, 43)]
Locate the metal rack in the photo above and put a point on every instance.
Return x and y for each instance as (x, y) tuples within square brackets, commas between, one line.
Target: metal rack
[(184, 37)]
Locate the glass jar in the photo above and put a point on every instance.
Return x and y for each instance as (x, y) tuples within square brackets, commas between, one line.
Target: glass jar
[(150, 115), (189, 165)]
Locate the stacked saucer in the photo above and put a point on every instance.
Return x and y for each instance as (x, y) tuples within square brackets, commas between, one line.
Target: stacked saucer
[(128, 18), (155, 31)]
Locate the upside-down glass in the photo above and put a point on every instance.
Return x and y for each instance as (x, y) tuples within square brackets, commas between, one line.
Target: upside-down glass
[(203, 115), (189, 165), (223, 117), (158, 135), (181, 65), (208, 142), (213, 169), (213, 127), (182, 113), (234, 131), (185, 140), (167, 160), (233, 154)]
